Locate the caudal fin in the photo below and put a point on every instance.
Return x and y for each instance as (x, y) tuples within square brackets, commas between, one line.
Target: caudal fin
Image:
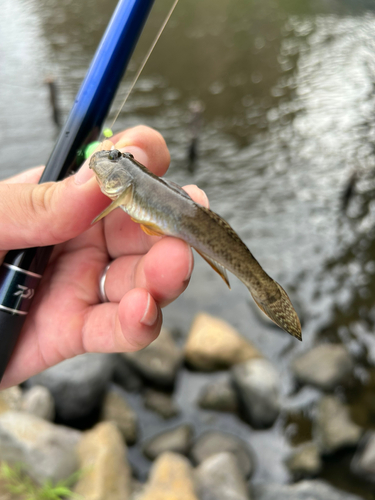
[(281, 312)]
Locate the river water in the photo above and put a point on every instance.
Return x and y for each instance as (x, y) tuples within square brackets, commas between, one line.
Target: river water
[(288, 94)]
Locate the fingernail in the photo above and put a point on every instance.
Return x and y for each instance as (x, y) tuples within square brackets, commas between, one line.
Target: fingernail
[(151, 313), (205, 199), (84, 174), (191, 264)]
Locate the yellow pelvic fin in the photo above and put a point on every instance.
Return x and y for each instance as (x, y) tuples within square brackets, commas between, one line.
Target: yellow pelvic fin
[(121, 200), (152, 230), (221, 271)]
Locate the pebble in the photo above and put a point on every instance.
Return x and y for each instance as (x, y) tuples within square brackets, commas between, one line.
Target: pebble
[(258, 387), (213, 344), (39, 401), (47, 451), (116, 409), (325, 366), (214, 442), (304, 490), (10, 399), (161, 403), (176, 440), (106, 474), (171, 478), (219, 396), (304, 461), (220, 478), (363, 462), (158, 363), (125, 375), (78, 384), (332, 427)]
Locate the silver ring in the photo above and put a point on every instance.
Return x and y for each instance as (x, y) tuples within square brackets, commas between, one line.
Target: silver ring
[(102, 295)]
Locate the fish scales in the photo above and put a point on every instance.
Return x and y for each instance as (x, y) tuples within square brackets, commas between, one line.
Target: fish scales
[(163, 208)]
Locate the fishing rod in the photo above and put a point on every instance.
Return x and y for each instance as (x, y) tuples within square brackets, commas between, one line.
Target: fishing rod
[(22, 270)]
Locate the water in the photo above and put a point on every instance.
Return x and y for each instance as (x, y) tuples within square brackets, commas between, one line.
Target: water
[(288, 89)]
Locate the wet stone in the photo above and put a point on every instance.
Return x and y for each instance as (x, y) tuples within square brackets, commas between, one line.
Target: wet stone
[(219, 396), (258, 388), (304, 490), (77, 385), (177, 440), (304, 461), (47, 451), (214, 442), (116, 409), (325, 366), (39, 401), (159, 362), (161, 403), (103, 460), (332, 428), (363, 462), (125, 375), (171, 478), (213, 344), (220, 478)]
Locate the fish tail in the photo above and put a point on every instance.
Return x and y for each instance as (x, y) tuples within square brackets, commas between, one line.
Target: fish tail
[(281, 311)]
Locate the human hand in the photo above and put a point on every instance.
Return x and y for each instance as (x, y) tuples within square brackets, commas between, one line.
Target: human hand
[(146, 272)]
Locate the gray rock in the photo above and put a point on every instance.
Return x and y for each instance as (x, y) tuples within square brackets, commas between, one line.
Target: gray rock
[(214, 442), (219, 396), (220, 478), (125, 375), (117, 410), (332, 427), (177, 440), (159, 362), (161, 403), (77, 385), (47, 451), (304, 490), (39, 401), (363, 462), (258, 387), (324, 366), (304, 461), (11, 399)]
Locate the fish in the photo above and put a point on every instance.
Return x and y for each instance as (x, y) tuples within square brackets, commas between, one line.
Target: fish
[(162, 207)]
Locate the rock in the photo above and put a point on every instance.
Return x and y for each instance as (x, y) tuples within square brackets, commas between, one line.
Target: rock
[(159, 362), (77, 385), (47, 451), (324, 366), (176, 440), (161, 403), (10, 399), (213, 344), (39, 401), (304, 461), (258, 387), (219, 478), (116, 409), (219, 396), (106, 471), (214, 442), (363, 462), (304, 490), (171, 478), (332, 427), (125, 376)]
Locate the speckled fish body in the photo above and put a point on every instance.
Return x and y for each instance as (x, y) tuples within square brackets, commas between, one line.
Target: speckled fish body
[(163, 208)]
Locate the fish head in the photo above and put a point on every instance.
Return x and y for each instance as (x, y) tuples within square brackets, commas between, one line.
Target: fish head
[(111, 171)]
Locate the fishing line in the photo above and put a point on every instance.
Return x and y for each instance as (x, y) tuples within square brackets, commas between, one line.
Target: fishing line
[(144, 63)]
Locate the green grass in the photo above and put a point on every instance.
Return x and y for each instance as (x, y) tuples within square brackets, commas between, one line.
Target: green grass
[(18, 483)]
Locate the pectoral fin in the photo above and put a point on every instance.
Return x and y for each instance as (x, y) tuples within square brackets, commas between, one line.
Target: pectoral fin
[(123, 199), (151, 229), (221, 271)]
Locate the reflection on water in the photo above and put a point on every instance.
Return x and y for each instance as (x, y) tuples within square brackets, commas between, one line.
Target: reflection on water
[(288, 89)]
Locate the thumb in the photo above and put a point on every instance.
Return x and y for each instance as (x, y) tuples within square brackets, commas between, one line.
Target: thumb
[(48, 213)]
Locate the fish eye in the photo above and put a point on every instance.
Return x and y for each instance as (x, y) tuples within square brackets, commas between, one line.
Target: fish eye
[(114, 154)]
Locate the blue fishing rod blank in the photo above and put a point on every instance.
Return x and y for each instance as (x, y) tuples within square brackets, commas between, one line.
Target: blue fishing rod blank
[(22, 270)]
